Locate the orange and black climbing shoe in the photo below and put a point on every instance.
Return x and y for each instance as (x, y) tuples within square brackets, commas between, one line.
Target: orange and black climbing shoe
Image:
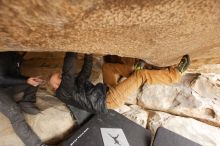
[(184, 64)]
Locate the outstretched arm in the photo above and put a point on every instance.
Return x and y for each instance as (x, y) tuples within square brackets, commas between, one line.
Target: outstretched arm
[(86, 69), (10, 81), (68, 74), (69, 66)]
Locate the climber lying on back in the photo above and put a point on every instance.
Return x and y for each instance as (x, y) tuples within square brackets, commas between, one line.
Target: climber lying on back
[(76, 90)]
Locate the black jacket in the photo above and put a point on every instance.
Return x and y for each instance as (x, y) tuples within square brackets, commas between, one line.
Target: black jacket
[(10, 69), (76, 90)]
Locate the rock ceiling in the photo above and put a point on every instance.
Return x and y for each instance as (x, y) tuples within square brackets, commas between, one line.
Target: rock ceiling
[(159, 31)]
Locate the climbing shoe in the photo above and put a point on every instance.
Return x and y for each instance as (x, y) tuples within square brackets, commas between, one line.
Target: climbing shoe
[(184, 64), (139, 65)]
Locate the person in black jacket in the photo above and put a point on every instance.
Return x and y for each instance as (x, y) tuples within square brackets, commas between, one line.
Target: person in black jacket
[(81, 96), (76, 89), (12, 83)]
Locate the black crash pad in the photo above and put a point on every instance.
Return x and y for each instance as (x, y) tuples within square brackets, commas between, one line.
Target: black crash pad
[(165, 137), (90, 134)]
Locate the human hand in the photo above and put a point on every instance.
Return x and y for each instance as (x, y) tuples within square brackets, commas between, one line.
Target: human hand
[(34, 81), (55, 80)]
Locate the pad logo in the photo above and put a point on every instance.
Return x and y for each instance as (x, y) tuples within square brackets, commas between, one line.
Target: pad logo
[(114, 137)]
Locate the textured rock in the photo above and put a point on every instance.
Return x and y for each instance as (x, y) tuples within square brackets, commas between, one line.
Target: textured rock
[(123, 109), (51, 125), (158, 31), (137, 115), (46, 63), (198, 98), (134, 113), (208, 68), (192, 129)]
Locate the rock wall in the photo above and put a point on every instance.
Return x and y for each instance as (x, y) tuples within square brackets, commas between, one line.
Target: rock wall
[(196, 97), (159, 31)]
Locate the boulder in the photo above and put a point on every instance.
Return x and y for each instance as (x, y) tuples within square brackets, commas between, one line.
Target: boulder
[(137, 115), (196, 97), (159, 32), (123, 109)]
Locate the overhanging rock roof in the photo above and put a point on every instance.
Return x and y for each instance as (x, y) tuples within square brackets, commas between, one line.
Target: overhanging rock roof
[(158, 31)]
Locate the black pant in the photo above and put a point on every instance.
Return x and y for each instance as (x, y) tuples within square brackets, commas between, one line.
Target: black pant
[(13, 112), (28, 90)]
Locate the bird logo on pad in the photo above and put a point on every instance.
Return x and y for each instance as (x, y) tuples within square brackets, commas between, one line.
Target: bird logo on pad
[(114, 137)]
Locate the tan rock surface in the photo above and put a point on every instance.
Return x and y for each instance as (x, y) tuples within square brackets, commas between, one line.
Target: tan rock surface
[(192, 129), (138, 115), (208, 68), (158, 31), (123, 109), (199, 98), (51, 125)]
